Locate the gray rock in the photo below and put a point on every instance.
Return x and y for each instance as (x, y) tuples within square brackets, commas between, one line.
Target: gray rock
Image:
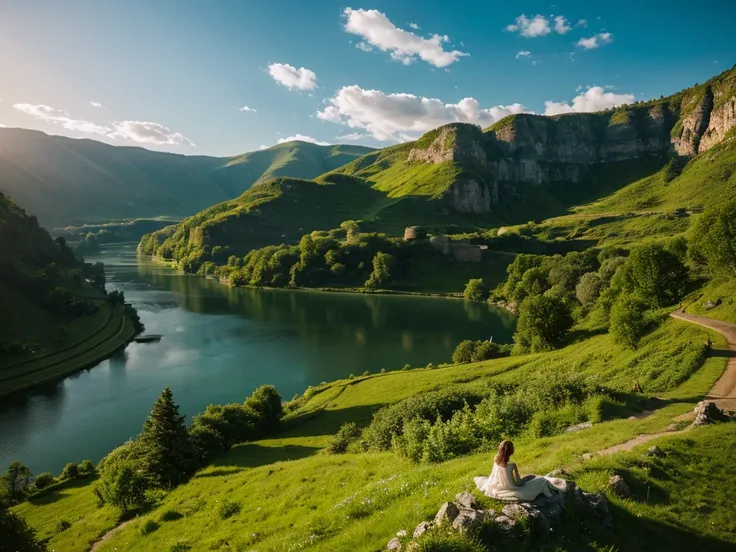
[(557, 472), (707, 412), (421, 529), (515, 511), (598, 505), (619, 487), (467, 520), (578, 427), (505, 523), (447, 513), (655, 452), (466, 500), (393, 544)]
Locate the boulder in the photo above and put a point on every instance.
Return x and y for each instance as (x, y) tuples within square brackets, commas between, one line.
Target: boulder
[(707, 412), (515, 511), (578, 427), (505, 523), (598, 505), (467, 520), (466, 500), (557, 472), (393, 544), (619, 487), (421, 529), (447, 513)]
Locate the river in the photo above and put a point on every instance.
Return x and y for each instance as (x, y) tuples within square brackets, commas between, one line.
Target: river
[(218, 345)]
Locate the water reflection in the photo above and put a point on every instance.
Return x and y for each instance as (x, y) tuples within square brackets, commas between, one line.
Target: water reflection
[(218, 345)]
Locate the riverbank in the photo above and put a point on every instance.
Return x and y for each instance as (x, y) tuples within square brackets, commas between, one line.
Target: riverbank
[(115, 334)]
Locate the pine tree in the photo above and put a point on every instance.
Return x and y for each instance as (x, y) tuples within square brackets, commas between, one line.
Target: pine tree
[(168, 454)]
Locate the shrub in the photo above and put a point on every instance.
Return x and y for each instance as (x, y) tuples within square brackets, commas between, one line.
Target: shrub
[(70, 471), (588, 288), (478, 351), (149, 526), (86, 467), (628, 320), (228, 509), (62, 525), (122, 484), (463, 352), (543, 324), (655, 274), (714, 238), (348, 433), (407, 367), (17, 535), (431, 366), (43, 480), (170, 515), (476, 290), (383, 266), (266, 403)]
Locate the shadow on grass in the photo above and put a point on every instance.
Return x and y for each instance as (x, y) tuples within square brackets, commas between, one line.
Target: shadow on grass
[(56, 492), (327, 422), (722, 353), (253, 455)]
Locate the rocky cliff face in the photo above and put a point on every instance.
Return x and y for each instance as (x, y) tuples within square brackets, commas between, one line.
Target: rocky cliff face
[(524, 150)]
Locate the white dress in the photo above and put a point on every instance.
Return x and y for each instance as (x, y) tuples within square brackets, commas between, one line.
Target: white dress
[(501, 486)]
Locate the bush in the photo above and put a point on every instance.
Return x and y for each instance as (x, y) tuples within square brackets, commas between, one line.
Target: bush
[(62, 526), (348, 433), (383, 266), (228, 509), (463, 352), (543, 324), (17, 535), (86, 467), (628, 320), (43, 480), (266, 403), (148, 527), (70, 471), (476, 290), (588, 288), (170, 515), (714, 238), (653, 273), (478, 351), (122, 484)]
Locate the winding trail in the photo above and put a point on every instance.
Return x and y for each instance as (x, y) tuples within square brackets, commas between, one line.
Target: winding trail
[(723, 392)]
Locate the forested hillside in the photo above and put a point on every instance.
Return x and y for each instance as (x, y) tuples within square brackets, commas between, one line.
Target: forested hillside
[(70, 182)]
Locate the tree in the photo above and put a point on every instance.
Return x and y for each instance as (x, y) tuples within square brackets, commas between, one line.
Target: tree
[(476, 290), (543, 324), (17, 535), (588, 288), (352, 230), (463, 352), (168, 455), (43, 480), (653, 273), (714, 238), (266, 403), (628, 320), (17, 479), (383, 264), (70, 471), (123, 485)]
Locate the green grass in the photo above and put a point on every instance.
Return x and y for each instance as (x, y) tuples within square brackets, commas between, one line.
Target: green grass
[(293, 496), (720, 290)]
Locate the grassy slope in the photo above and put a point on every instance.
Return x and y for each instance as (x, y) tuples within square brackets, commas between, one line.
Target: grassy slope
[(66, 181), (718, 290), (295, 497)]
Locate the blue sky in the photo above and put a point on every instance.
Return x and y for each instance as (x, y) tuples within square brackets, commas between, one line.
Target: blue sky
[(173, 75)]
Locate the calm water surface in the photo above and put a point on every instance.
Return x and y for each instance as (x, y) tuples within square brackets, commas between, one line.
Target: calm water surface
[(218, 345)]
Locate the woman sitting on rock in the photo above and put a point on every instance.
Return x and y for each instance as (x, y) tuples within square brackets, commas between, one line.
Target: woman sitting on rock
[(504, 482)]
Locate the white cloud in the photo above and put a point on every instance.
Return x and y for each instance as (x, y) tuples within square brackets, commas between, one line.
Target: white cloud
[(595, 41), (377, 30), (145, 132), (60, 117), (291, 77), (364, 46), (262, 147), (389, 117), (414, 26), (95, 104), (523, 53), (593, 99), (582, 23), (353, 136), (302, 138), (562, 25), (247, 109), (530, 28)]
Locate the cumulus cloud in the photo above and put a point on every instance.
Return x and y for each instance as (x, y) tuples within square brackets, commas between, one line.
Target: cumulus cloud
[(262, 147), (377, 30), (582, 23), (391, 117), (291, 77), (595, 41), (414, 26), (302, 138), (247, 109), (95, 104), (523, 53), (353, 136), (60, 117), (562, 25), (530, 27), (146, 132), (593, 99)]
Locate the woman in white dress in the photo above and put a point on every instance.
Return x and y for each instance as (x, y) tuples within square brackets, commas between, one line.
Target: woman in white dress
[(504, 482)]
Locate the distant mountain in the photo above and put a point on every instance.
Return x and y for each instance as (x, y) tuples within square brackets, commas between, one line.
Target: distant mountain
[(65, 181), (459, 177)]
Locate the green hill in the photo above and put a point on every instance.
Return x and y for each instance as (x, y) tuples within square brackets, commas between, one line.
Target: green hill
[(56, 317), (71, 182)]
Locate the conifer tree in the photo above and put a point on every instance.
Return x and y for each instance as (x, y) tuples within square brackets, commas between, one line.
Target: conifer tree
[(167, 453)]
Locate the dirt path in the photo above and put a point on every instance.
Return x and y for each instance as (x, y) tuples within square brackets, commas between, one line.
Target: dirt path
[(110, 534), (723, 392)]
